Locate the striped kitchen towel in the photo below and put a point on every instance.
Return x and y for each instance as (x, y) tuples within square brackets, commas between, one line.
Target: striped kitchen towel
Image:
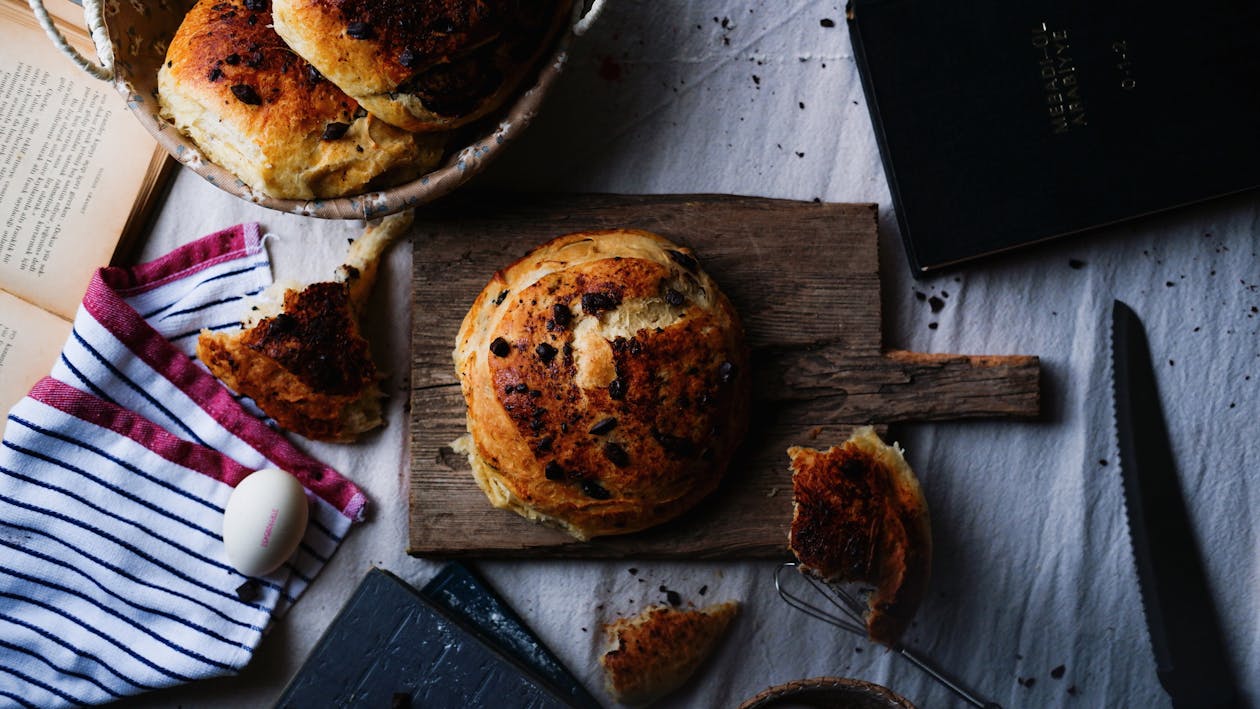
[(114, 473)]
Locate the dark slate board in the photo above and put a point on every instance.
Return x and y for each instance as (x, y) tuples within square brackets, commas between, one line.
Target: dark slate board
[(391, 646), (459, 590)]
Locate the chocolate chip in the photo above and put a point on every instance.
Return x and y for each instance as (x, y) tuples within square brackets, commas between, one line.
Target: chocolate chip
[(215, 74), (443, 25), (334, 130), (246, 94), (255, 5), (561, 315), (936, 304), (283, 323), (594, 490), (544, 444), (827, 22), (616, 454), (313, 75), (593, 303), (674, 598), (604, 426), (546, 352), (254, 60), (408, 58), (498, 299), (360, 112), (674, 298), (683, 260), (359, 30), (617, 390), (726, 372), (553, 471), (500, 347), (674, 445), (232, 59), (521, 388)]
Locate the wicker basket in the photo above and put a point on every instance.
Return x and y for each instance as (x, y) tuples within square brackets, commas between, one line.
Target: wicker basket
[(131, 37)]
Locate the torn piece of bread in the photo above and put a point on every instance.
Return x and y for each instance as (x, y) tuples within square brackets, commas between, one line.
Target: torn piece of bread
[(656, 651), (858, 516), (309, 366)]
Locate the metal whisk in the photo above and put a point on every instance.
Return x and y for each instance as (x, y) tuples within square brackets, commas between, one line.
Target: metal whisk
[(846, 612)]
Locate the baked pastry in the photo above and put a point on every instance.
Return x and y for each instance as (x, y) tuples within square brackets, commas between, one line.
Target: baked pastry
[(655, 652), (422, 66), (858, 516), (261, 112), (309, 366), (607, 383)]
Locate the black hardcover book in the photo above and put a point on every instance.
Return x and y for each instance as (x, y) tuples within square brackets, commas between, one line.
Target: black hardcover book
[(453, 645), (462, 593), (1005, 123)]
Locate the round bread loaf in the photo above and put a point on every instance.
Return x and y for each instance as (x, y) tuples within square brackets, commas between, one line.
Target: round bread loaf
[(267, 116), (423, 66), (607, 383)]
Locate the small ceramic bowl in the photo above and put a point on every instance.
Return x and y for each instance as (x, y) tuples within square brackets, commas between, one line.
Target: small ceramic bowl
[(828, 693)]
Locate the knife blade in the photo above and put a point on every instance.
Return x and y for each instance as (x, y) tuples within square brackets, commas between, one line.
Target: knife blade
[(1180, 615)]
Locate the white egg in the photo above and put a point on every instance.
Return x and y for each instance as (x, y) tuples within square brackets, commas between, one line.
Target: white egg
[(264, 521)]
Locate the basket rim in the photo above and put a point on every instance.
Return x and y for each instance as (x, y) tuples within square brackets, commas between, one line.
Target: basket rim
[(827, 688)]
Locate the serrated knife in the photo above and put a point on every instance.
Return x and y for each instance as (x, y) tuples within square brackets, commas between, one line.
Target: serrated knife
[(1180, 616)]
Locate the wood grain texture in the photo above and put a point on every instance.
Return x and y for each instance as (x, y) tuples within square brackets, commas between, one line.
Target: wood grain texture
[(805, 279)]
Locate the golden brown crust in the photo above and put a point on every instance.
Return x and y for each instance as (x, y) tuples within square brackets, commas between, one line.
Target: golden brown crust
[(308, 367), (262, 112), (422, 65), (607, 383), (655, 652), (859, 517)]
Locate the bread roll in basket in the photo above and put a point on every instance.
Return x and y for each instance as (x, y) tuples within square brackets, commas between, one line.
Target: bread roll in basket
[(131, 40)]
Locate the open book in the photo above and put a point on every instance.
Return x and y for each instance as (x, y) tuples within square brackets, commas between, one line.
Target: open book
[(78, 177)]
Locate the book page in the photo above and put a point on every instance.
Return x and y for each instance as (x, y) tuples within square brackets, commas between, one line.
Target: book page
[(30, 342), (72, 163)]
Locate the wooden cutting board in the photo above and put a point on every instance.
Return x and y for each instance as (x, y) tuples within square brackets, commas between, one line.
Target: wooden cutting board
[(804, 277)]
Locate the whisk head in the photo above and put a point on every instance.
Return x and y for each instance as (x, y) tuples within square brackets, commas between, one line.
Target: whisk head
[(833, 604), (828, 602)]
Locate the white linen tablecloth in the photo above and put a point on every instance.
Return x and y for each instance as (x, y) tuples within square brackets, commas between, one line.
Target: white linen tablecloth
[(1033, 599)]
